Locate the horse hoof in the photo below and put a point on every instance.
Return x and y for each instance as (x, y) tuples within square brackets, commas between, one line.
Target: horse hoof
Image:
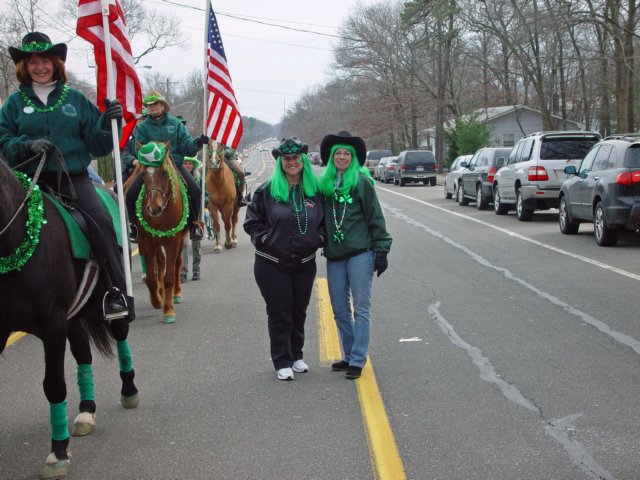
[(84, 424), (217, 250), (177, 299), (55, 469), (130, 402), (170, 319)]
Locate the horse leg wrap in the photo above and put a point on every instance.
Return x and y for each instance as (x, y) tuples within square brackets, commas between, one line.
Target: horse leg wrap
[(59, 421), (84, 375), (128, 387), (124, 356), (59, 449)]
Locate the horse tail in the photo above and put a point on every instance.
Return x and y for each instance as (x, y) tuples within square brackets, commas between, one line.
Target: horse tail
[(99, 332)]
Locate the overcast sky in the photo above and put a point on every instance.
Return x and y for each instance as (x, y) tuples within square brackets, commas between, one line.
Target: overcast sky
[(270, 66)]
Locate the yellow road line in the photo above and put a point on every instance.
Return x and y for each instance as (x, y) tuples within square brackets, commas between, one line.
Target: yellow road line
[(14, 337), (382, 444)]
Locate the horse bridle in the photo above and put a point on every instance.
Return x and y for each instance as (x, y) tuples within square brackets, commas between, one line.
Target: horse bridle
[(163, 193)]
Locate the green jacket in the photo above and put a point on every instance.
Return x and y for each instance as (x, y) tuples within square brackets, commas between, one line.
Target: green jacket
[(76, 127), (363, 226), (168, 128)]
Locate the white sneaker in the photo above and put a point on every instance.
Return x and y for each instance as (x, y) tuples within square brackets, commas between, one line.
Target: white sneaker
[(285, 374), (300, 367)]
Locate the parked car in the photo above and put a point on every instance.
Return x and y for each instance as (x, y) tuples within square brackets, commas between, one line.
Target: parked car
[(604, 190), (415, 166), (385, 169), (451, 179), (534, 172), (373, 158), (476, 181)]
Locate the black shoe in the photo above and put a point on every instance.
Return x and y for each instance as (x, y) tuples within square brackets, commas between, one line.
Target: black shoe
[(133, 232), (183, 277), (115, 305), (353, 372), (241, 201), (340, 366), (195, 232), (196, 276)]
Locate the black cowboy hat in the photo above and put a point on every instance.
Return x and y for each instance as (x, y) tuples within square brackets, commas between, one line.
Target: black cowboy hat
[(37, 43), (342, 138), (289, 146)]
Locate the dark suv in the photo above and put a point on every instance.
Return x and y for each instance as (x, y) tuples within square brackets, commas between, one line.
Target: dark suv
[(476, 183), (604, 190), (415, 166)]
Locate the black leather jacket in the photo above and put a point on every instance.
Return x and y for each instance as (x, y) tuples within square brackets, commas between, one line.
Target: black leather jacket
[(275, 229)]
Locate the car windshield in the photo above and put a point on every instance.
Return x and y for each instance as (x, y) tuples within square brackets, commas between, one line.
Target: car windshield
[(566, 148), (419, 157)]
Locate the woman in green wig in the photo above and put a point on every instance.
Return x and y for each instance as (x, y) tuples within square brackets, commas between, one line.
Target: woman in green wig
[(285, 220)]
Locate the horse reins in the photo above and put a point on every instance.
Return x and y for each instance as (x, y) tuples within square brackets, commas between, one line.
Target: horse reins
[(31, 187), (168, 187)]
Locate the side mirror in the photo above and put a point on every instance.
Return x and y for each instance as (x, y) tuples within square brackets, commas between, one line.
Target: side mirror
[(246, 174), (570, 170), (500, 162), (464, 164)]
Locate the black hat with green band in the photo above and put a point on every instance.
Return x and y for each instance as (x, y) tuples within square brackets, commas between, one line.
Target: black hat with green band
[(36, 43)]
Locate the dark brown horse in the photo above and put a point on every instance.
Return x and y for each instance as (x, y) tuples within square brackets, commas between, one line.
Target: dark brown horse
[(161, 214), (40, 276), (221, 185)]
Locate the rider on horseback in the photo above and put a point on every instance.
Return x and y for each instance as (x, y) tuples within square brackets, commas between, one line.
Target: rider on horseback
[(45, 116), (231, 157), (160, 126)]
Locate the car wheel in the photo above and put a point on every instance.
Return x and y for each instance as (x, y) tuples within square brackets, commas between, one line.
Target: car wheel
[(499, 208), (462, 200), (433, 181), (401, 182), (567, 225), (481, 202), (447, 194), (605, 235), (425, 182), (523, 214)]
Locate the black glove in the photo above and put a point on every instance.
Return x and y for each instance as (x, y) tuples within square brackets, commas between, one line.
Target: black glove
[(202, 140), (113, 110), (381, 265), (38, 146)]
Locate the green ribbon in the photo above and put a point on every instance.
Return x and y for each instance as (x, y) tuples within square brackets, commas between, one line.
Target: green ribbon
[(35, 220)]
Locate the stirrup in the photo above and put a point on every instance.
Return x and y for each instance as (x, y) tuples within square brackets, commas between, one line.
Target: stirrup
[(115, 305), (195, 232), (133, 232)]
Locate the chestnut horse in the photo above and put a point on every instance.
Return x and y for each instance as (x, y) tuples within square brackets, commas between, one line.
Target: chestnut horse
[(221, 185), (39, 277), (161, 214)]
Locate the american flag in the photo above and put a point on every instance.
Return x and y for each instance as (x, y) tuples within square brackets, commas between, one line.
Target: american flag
[(224, 123), (127, 84)]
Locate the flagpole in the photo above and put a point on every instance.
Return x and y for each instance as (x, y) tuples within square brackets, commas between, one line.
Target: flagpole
[(205, 105), (124, 232)]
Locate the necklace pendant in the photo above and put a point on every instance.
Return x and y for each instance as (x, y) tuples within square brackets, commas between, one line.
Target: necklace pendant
[(28, 110)]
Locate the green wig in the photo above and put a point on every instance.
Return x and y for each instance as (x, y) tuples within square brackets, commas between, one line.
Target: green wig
[(280, 187), (349, 177)]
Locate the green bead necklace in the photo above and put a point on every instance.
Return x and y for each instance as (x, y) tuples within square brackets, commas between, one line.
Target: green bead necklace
[(35, 220), (61, 100), (344, 199), (299, 208)]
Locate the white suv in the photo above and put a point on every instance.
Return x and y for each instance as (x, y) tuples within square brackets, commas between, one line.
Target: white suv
[(534, 171)]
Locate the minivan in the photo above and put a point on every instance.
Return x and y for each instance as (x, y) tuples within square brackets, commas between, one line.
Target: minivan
[(415, 166), (373, 157)]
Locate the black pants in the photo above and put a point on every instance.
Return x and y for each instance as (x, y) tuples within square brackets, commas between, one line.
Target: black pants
[(102, 235), (287, 292), (193, 192)]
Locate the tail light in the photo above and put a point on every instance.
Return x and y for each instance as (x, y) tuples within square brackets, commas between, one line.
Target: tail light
[(628, 178), (366, 163), (537, 174), (491, 173), (390, 168), (403, 168)]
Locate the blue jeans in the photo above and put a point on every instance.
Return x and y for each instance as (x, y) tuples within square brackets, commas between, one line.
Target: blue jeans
[(352, 278)]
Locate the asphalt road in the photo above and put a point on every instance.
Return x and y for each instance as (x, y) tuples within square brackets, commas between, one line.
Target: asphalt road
[(501, 349)]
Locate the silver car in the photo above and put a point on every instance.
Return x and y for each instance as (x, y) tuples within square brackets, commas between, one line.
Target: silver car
[(534, 172), (385, 169), (451, 180)]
